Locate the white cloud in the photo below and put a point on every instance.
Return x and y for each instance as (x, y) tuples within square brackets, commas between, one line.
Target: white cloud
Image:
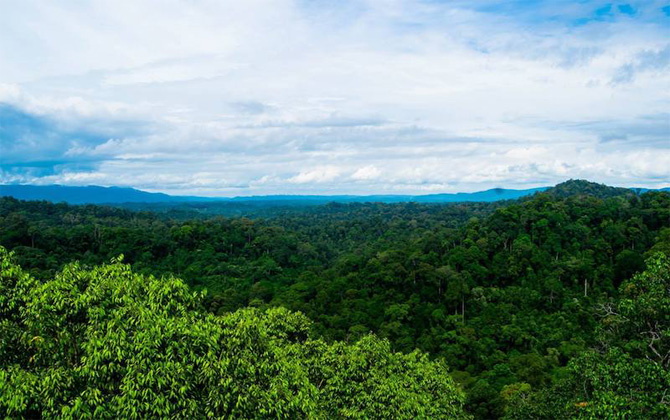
[(317, 175), (366, 173), (257, 97)]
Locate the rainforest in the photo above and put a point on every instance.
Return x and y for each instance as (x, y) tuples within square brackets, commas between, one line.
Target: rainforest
[(555, 305)]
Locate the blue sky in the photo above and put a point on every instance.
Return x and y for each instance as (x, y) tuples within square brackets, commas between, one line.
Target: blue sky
[(328, 97)]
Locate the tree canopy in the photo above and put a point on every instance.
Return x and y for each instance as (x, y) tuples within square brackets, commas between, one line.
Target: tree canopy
[(515, 297), (626, 375), (108, 343)]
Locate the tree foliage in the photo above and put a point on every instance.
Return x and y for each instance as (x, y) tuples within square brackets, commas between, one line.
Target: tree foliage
[(108, 343), (627, 376), (509, 295)]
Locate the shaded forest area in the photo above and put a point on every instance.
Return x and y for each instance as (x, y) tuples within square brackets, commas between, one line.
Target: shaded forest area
[(530, 303)]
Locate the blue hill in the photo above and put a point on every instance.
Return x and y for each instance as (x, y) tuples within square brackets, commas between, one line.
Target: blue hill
[(87, 195), (118, 195)]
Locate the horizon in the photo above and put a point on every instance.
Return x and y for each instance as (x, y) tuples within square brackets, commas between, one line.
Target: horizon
[(409, 97), (283, 195), (213, 197)]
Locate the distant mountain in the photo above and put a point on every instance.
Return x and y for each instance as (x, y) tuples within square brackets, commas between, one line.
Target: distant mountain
[(583, 187), (118, 195), (87, 195), (644, 190), (495, 194)]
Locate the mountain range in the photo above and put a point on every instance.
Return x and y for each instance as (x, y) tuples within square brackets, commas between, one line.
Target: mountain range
[(120, 195)]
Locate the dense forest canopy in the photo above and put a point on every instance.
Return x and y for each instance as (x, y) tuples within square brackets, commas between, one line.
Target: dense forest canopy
[(537, 306), (107, 343)]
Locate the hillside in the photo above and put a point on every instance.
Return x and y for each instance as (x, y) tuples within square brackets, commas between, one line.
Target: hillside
[(505, 293), (272, 204), (575, 187)]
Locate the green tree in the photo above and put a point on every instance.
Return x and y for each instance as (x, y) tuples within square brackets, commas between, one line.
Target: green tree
[(109, 343), (629, 376)]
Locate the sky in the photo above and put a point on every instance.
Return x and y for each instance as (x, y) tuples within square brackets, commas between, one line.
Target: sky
[(254, 97)]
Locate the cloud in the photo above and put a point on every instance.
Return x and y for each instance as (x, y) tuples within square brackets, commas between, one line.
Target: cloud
[(654, 60), (317, 175), (31, 140), (643, 61), (261, 97), (251, 107), (366, 173)]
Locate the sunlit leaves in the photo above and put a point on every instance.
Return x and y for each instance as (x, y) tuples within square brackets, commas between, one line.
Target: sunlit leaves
[(108, 343)]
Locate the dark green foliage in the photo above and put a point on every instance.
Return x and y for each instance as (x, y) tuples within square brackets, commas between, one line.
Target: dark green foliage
[(627, 375), (507, 294), (575, 187)]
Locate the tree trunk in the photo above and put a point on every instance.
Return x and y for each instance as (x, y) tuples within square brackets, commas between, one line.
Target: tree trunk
[(463, 308), (586, 286)]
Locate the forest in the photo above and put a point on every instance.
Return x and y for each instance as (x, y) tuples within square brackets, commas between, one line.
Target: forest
[(555, 305)]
